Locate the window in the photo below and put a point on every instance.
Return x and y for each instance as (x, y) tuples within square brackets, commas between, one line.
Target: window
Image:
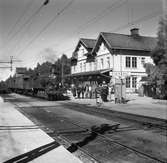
[(90, 66), (81, 66), (128, 82), (134, 81), (84, 66), (108, 62), (134, 62), (102, 63), (128, 60), (95, 65), (143, 60)]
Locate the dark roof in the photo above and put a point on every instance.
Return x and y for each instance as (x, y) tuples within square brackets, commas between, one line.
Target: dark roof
[(129, 42), (96, 72), (89, 43)]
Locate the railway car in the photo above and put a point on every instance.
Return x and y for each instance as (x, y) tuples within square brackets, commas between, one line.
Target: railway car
[(3, 88), (38, 86)]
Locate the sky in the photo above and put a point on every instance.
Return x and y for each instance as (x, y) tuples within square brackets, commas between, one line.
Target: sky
[(55, 28)]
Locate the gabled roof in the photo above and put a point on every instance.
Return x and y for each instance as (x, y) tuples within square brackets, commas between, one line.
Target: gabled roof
[(128, 42), (87, 43)]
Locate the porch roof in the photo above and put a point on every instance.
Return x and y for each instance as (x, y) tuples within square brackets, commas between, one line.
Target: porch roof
[(97, 72)]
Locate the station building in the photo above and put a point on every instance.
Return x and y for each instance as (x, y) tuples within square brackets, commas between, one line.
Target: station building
[(112, 56)]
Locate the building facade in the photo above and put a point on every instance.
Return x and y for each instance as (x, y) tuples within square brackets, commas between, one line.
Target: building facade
[(116, 56)]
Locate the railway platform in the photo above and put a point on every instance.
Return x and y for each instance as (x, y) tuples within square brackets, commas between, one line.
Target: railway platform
[(144, 106), (21, 137)]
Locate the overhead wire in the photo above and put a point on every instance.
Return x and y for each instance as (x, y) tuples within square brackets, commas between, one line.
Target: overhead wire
[(19, 18), (144, 18), (141, 19), (98, 17), (115, 5), (27, 22), (102, 14), (21, 38), (59, 13)]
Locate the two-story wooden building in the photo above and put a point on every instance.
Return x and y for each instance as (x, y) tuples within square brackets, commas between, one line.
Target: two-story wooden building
[(112, 56)]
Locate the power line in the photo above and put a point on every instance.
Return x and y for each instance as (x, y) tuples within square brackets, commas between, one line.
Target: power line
[(141, 19), (20, 18), (102, 14), (12, 60), (28, 20), (48, 24)]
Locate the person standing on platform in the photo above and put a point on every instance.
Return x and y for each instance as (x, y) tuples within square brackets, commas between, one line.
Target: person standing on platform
[(86, 91), (79, 91), (90, 91), (83, 91)]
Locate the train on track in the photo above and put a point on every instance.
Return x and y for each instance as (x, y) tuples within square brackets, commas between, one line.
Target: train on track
[(3, 88), (38, 86)]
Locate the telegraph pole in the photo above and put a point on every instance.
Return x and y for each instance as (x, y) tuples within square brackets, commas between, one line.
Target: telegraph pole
[(10, 62)]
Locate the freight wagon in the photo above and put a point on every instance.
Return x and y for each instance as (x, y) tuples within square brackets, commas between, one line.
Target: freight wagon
[(39, 86)]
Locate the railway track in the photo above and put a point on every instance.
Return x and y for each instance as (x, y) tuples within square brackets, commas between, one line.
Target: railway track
[(150, 122), (82, 138), (100, 132), (75, 132)]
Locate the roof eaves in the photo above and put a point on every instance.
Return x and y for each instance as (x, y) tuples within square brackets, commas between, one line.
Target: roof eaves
[(123, 48), (96, 43)]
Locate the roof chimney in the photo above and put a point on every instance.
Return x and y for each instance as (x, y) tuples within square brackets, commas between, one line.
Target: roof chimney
[(134, 32)]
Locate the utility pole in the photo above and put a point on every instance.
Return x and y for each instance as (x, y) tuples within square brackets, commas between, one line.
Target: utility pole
[(10, 62), (62, 74)]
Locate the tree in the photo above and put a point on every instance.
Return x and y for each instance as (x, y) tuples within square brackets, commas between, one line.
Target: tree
[(159, 56)]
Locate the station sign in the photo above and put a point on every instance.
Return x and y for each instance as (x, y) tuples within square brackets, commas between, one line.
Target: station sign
[(120, 74)]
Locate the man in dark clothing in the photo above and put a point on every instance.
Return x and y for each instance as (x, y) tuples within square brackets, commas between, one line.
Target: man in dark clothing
[(79, 91)]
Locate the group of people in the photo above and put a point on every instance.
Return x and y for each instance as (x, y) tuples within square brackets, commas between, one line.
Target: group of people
[(82, 91), (102, 90)]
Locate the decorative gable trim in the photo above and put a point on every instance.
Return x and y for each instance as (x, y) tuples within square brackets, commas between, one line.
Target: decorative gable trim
[(101, 39)]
